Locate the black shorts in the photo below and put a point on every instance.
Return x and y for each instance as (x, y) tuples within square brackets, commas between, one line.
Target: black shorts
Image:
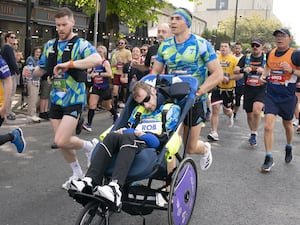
[(104, 94), (198, 114), (222, 96), (57, 112), (251, 95)]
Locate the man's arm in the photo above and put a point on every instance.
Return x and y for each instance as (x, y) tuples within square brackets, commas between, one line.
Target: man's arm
[(92, 60), (157, 67), (11, 60), (37, 72), (141, 67), (265, 74), (215, 77), (237, 73)]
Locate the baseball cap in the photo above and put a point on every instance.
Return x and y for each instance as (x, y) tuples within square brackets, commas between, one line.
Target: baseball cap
[(257, 41), (282, 30)]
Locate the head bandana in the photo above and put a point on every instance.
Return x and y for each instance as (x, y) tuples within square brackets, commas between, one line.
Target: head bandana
[(187, 18)]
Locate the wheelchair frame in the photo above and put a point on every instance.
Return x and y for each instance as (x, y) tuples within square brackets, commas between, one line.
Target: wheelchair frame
[(141, 200)]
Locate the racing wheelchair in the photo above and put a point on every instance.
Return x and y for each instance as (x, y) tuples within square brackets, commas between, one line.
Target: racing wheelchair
[(176, 192)]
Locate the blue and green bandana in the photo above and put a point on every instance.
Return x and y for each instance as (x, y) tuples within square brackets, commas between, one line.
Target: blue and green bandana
[(187, 18)]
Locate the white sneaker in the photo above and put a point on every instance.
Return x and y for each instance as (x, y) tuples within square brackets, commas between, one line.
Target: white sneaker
[(67, 184), (295, 122), (121, 105), (87, 127), (231, 120), (213, 136), (35, 119), (206, 159), (90, 152), (84, 185), (111, 192), (160, 201)]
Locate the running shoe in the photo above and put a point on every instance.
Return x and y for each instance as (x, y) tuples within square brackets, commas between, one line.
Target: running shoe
[(268, 164), (67, 184), (84, 185), (295, 122), (44, 115), (87, 127), (206, 159), (121, 105), (19, 140), (213, 136), (235, 116), (111, 192), (35, 119), (252, 140), (54, 146), (288, 153)]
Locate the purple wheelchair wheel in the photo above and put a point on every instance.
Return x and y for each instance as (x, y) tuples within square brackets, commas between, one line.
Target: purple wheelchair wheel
[(183, 192)]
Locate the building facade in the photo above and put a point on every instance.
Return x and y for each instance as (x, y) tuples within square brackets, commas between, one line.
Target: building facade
[(215, 11), (42, 24)]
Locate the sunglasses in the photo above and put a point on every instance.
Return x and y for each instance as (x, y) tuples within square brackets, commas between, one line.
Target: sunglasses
[(121, 43), (13, 37), (142, 50), (255, 45), (146, 99)]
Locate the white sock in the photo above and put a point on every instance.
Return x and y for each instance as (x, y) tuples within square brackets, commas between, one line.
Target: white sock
[(87, 146), (76, 168)]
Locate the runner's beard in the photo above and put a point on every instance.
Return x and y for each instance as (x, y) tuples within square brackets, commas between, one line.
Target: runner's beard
[(64, 36)]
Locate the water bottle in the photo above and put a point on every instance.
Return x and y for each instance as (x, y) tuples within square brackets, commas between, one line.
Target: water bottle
[(31, 68)]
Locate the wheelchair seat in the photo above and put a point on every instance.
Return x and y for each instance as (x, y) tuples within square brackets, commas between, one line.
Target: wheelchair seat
[(143, 165), (149, 159)]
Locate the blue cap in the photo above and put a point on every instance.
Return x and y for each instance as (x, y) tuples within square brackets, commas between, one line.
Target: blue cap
[(283, 31)]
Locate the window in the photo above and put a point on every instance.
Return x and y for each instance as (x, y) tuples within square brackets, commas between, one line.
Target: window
[(222, 4)]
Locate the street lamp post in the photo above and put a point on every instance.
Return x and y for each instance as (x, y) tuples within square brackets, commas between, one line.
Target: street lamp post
[(235, 20), (96, 24), (28, 29)]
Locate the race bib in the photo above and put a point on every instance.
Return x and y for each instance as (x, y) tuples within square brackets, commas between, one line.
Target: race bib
[(59, 84), (253, 80), (277, 77), (152, 126), (98, 80)]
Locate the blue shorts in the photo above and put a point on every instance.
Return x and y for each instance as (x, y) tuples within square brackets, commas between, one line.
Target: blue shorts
[(285, 109)]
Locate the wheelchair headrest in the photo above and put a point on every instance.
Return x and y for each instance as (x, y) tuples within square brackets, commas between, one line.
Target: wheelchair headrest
[(175, 91)]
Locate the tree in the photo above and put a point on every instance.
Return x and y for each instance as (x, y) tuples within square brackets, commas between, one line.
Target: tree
[(215, 37), (133, 13), (251, 27)]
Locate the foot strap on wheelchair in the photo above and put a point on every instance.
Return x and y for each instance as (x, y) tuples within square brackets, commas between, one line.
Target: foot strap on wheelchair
[(115, 193)]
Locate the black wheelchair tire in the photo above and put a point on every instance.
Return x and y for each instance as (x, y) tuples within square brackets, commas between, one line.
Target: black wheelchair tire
[(92, 214), (186, 167)]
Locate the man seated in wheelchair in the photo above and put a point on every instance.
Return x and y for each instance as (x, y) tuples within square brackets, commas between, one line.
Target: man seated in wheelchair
[(146, 131)]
